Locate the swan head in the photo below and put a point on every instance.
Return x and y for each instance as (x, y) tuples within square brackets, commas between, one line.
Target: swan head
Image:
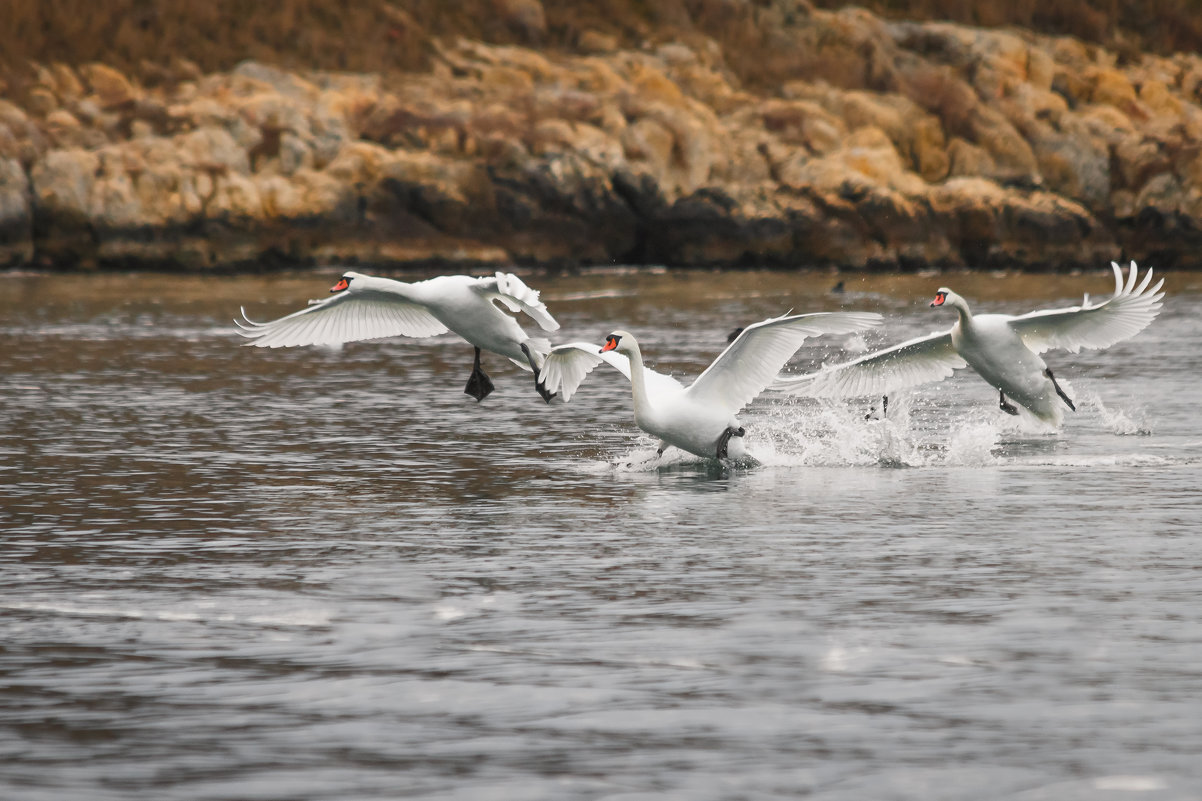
[(621, 341), (946, 297), (344, 283)]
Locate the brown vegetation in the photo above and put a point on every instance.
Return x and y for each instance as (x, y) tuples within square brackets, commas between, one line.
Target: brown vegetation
[(141, 37)]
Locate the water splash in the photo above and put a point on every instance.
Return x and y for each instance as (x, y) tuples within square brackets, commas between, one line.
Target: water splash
[(839, 435), (974, 443), (645, 458), (919, 430), (1121, 423), (807, 433)]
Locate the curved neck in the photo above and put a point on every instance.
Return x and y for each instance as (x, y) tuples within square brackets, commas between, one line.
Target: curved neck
[(638, 384), (961, 306)]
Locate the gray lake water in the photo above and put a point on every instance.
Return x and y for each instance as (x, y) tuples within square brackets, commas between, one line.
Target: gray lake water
[(238, 573)]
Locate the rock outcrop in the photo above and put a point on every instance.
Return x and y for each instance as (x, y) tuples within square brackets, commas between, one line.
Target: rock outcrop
[(882, 145)]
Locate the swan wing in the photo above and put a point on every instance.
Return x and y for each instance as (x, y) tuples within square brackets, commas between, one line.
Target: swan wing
[(1124, 314), (517, 297), (751, 362), (916, 361), (566, 367), (345, 317)]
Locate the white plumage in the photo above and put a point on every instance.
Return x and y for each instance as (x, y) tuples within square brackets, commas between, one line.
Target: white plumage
[(701, 418), (369, 307), (1001, 348)]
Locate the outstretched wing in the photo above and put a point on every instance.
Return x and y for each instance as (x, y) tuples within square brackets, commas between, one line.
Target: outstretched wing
[(568, 365), (517, 297), (345, 317), (751, 362), (1127, 312), (916, 361)]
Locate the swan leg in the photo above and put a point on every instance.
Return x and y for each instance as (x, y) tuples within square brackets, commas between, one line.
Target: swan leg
[(1048, 372), (538, 384), (724, 440), (1005, 406), (479, 385), (884, 408)]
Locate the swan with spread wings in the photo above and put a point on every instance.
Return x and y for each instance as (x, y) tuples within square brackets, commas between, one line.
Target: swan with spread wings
[(701, 418), (1003, 349), (371, 307)]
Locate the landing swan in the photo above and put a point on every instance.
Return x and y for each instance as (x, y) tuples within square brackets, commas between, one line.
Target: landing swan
[(700, 419), (1001, 348), (370, 307)]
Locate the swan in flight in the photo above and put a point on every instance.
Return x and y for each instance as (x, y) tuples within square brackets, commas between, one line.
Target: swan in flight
[(700, 419), (370, 307), (1002, 349)]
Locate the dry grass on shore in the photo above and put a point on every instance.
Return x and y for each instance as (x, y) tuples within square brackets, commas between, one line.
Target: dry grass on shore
[(138, 36)]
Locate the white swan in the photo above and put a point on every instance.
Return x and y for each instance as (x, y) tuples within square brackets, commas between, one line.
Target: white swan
[(1001, 348), (369, 307), (702, 418)]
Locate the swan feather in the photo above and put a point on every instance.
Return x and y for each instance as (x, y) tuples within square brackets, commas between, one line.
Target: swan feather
[(1123, 315), (345, 317), (908, 364), (751, 362)]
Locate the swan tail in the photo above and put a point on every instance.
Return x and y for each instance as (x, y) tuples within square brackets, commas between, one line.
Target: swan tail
[(517, 296)]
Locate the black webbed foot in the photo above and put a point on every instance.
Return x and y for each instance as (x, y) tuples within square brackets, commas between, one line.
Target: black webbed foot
[(542, 390), (479, 385)]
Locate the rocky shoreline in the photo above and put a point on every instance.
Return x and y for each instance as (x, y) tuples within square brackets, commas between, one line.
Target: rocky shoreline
[(888, 145)]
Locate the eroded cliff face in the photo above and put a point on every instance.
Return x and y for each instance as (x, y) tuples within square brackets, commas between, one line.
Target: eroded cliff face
[(856, 142)]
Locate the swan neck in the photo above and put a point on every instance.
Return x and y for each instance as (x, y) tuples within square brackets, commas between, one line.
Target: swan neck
[(638, 384), (406, 290), (961, 306)]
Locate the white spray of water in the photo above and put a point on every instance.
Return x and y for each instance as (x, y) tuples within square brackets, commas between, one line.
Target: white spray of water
[(807, 433), (917, 431), (1122, 423)]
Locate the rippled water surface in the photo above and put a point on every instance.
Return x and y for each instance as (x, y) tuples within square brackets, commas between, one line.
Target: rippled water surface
[(238, 573)]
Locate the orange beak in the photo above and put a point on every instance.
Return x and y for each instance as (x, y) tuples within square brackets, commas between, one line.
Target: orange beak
[(610, 344), (939, 298), (341, 285)]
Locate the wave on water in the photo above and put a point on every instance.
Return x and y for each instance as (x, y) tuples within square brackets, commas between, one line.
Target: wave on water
[(122, 330), (204, 613), (595, 294)]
